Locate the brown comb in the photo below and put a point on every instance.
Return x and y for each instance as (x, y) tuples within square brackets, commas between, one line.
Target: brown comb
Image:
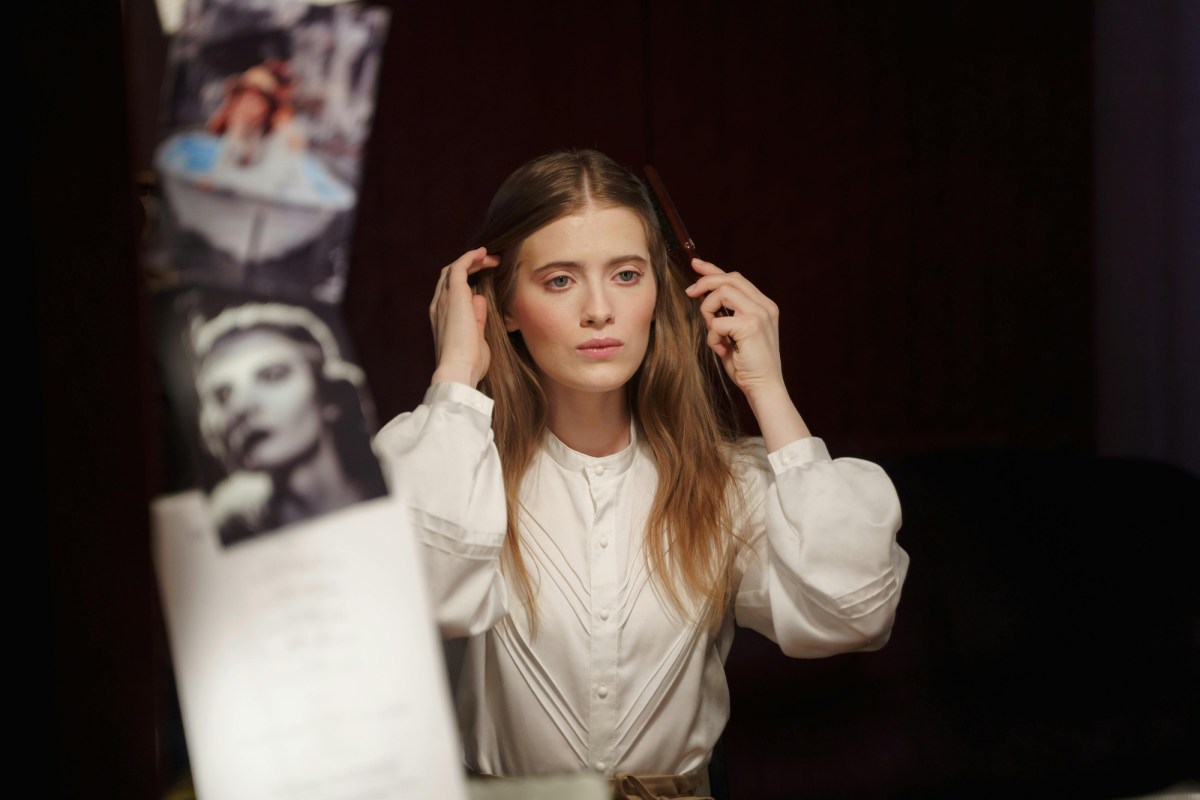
[(680, 244)]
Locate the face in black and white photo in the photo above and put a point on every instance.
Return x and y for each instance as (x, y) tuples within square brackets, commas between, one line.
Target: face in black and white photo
[(260, 404)]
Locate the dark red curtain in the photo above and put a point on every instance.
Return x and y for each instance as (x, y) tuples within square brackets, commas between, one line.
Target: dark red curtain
[(910, 182)]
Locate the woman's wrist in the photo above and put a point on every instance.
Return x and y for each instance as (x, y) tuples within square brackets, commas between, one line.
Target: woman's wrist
[(778, 419), (454, 373)]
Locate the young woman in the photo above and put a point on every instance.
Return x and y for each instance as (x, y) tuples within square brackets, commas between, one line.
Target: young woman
[(587, 521), (281, 412)]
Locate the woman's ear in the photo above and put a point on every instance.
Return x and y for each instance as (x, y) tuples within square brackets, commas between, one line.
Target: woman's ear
[(510, 324)]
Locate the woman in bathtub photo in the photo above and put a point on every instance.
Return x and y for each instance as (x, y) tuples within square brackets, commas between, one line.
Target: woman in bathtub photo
[(261, 136)]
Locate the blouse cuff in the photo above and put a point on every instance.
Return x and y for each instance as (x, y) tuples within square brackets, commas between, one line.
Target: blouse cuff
[(801, 451), (461, 394)]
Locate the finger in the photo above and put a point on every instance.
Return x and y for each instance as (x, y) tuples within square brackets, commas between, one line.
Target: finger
[(443, 279), (474, 260), (479, 306), (719, 344), (468, 257), (706, 267), (732, 300), (486, 262), (710, 275), (713, 277), (455, 274), (719, 309), (711, 283), (727, 328)]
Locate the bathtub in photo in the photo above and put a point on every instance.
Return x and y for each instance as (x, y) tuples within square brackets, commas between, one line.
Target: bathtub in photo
[(283, 201)]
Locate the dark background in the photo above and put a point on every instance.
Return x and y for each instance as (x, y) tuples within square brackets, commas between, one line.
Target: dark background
[(978, 218)]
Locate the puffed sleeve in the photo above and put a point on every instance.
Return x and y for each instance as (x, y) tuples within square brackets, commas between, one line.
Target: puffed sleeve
[(440, 462), (819, 568)]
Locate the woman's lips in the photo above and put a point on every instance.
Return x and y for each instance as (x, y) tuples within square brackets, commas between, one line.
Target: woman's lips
[(242, 440), (254, 439), (600, 348)]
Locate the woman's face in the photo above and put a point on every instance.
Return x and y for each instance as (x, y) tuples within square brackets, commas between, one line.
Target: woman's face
[(258, 398), (248, 110), (584, 300)]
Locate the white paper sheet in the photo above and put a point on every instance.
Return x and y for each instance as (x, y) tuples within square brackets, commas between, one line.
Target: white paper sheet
[(307, 662)]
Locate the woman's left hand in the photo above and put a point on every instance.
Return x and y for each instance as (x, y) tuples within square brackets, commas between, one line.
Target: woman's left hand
[(743, 330), (743, 327)]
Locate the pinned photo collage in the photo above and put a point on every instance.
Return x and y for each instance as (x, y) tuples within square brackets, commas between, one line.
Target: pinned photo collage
[(301, 638), (266, 111)]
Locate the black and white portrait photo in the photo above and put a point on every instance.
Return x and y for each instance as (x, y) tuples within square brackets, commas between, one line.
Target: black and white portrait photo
[(278, 412)]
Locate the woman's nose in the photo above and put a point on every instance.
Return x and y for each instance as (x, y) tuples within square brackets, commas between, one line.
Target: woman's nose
[(243, 404), (598, 309)]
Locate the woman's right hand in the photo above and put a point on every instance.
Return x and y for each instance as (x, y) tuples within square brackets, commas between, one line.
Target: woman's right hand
[(458, 316)]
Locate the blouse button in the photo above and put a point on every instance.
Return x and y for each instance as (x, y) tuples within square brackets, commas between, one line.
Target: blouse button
[(603, 614), (602, 692), (603, 541), (601, 469), (600, 765)]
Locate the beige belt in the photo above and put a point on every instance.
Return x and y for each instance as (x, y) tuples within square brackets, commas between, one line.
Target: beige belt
[(625, 786), (693, 786)]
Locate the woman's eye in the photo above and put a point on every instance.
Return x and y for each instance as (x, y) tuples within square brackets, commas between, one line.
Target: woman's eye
[(628, 275), (274, 373), (221, 394), (559, 282)]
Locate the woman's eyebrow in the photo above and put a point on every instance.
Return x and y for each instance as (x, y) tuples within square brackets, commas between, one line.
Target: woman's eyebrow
[(612, 262), (556, 265)]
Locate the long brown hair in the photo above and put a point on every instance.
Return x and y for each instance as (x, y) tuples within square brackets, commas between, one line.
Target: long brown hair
[(671, 396)]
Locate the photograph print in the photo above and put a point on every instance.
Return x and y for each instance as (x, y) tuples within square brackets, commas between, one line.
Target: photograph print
[(272, 409), (266, 111)]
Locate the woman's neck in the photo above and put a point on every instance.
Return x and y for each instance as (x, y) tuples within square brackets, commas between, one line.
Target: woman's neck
[(589, 423)]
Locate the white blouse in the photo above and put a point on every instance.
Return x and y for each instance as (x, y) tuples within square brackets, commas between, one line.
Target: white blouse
[(614, 679)]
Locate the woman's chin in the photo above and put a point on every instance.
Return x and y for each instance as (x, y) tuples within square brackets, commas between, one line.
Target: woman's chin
[(596, 379), (256, 460), (277, 457)]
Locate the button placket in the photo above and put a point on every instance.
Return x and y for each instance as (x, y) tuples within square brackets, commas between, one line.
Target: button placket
[(604, 574)]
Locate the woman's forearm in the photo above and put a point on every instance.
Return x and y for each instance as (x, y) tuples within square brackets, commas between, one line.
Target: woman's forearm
[(779, 421)]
